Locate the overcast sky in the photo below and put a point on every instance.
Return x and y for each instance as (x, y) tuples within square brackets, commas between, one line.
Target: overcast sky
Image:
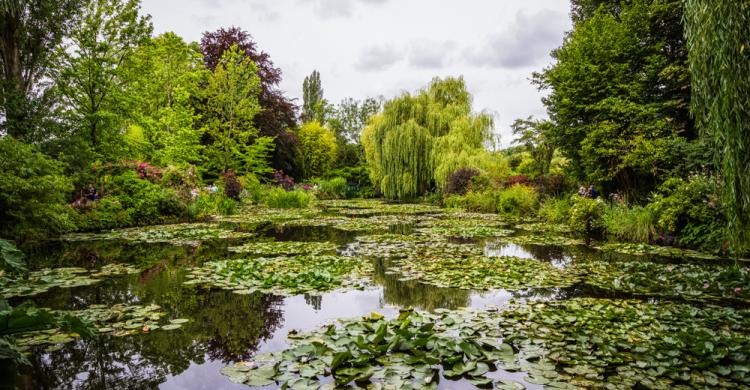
[(384, 47)]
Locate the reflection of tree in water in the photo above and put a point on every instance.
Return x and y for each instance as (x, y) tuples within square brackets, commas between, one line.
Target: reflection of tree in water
[(316, 301), (418, 295), (312, 233), (223, 326), (547, 293)]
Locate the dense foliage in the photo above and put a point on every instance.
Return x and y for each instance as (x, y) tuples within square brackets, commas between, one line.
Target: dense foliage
[(418, 140), (620, 93), (719, 58)]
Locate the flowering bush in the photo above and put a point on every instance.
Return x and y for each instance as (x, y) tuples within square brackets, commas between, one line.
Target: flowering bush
[(283, 181)]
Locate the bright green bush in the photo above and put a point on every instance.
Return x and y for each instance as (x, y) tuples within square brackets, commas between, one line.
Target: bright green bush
[(555, 210), (517, 201), (332, 189), (636, 224), (586, 215), (212, 204), (33, 192), (281, 199)]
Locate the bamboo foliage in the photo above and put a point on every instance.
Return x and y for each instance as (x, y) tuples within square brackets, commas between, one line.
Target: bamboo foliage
[(419, 139), (718, 35)]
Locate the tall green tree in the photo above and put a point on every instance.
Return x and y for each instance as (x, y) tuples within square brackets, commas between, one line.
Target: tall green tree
[(232, 103), (417, 141), (164, 75), (30, 32), (347, 121), (313, 104), (278, 117), (531, 133), (718, 33), (89, 76), (620, 93)]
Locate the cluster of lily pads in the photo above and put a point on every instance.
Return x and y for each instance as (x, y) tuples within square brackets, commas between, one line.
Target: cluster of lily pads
[(626, 344), (284, 275), (578, 343), (655, 250), (684, 280), (178, 234), (465, 225), (402, 353), (410, 246), (118, 320), (278, 248), (484, 273), (257, 215), (41, 281)]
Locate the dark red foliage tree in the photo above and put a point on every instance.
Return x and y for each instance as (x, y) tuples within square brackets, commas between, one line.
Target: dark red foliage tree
[(279, 113)]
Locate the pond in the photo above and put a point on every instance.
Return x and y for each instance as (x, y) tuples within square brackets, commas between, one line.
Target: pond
[(381, 295)]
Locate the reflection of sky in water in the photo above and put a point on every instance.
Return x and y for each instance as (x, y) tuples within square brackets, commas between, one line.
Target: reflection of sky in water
[(500, 249)]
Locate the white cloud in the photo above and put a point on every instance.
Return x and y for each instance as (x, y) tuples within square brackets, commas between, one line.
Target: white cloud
[(529, 38), (377, 58)]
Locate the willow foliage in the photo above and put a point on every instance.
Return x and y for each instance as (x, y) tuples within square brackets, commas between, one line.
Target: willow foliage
[(718, 34), (419, 139)]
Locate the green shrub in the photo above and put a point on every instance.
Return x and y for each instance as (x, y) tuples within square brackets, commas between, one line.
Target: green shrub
[(130, 200), (517, 201), (282, 199), (33, 192), (690, 209), (332, 189), (357, 179), (555, 210), (212, 204), (482, 202), (106, 213), (636, 224), (586, 215)]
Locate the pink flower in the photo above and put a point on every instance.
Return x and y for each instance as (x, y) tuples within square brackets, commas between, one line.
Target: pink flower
[(738, 290), (705, 285)]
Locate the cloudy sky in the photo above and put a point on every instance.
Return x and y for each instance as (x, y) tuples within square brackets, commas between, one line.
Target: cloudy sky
[(385, 47)]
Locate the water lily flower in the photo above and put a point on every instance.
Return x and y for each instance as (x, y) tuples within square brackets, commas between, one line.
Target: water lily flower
[(738, 290), (705, 285), (146, 328)]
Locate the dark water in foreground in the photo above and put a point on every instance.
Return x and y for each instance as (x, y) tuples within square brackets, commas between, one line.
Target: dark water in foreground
[(225, 327)]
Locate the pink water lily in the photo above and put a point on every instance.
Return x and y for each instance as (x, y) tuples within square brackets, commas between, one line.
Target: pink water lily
[(738, 290), (706, 285)]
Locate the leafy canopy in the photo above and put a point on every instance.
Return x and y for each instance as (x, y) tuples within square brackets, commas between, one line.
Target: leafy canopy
[(420, 139)]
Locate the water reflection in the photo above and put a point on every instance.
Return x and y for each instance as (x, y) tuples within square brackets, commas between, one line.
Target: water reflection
[(415, 294)]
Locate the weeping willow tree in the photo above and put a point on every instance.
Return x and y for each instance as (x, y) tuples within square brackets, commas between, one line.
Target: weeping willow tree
[(417, 140), (718, 35)]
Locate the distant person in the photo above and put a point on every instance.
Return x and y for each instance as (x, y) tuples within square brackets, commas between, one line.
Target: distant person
[(592, 192), (91, 193)]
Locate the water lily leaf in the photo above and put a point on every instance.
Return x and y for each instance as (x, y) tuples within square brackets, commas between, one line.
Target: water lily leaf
[(171, 326), (509, 384), (179, 321), (261, 376)]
